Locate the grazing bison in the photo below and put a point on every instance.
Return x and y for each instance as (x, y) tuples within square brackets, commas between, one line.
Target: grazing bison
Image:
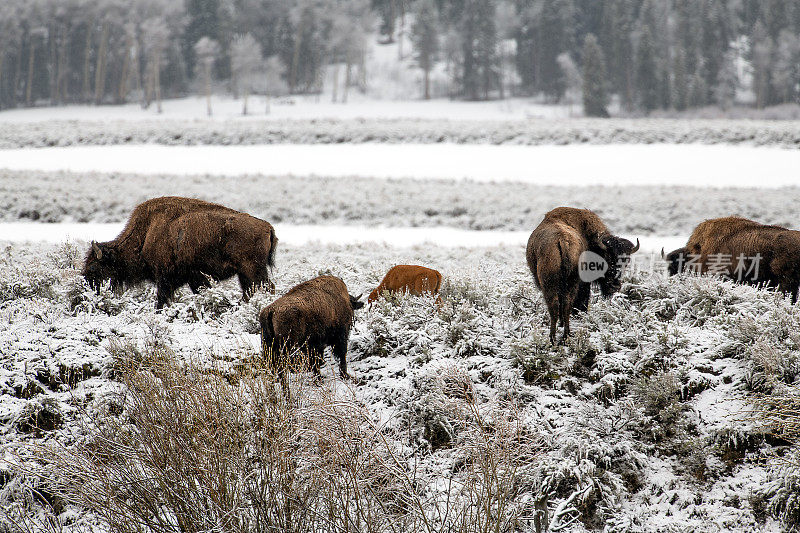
[(173, 241), (554, 253), (311, 316), (742, 250), (411, 279)]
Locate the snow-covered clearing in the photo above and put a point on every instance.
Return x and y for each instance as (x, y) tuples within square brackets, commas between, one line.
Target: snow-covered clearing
[(300, 235), (640, 415), (295, 108), (620, 165)]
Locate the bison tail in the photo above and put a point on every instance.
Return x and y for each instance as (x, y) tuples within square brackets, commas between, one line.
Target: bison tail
[(566, 268), (273, 245)]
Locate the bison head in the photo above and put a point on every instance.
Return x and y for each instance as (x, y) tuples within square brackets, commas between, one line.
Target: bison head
[(355, 301), (676, 260), (100, 265), (617, 253)]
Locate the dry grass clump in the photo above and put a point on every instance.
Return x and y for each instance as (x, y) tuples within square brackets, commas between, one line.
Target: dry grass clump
[(193, 450)]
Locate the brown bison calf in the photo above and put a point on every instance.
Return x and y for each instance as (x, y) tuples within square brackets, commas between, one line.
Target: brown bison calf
[(744, 251), (173, 241), (554, 253), (311, 316), (411, 279)]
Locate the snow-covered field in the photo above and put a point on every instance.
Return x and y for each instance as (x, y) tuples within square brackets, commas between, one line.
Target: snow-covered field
[(620, 165), (642, 413), (642, 421)]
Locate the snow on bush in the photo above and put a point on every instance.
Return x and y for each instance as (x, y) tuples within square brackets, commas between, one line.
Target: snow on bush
[(329, 131), (646, 210), (638, 423)]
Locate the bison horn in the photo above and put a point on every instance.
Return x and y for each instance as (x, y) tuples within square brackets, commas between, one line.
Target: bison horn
[(662, 253), (97, 251), (635, 248)]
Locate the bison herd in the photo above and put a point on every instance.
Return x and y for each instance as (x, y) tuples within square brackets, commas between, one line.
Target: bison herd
[(174, 241)]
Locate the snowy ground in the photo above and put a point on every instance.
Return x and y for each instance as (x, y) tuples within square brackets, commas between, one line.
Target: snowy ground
[(619, 165), (642, 411), (295, 108)]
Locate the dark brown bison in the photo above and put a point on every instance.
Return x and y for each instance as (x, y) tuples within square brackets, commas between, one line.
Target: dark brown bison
[(411, 279), (173, 241), (742, 250), (555, 251), (312, 315)]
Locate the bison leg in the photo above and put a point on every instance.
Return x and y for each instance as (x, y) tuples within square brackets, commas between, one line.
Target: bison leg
[(565, 306), (790, 287), (247, 287), (552, 308), (340, 352), (196, 281), (582, 301), (164, 292)]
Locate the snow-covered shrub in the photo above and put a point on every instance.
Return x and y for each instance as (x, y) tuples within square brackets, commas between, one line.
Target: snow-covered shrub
[(26, 281)]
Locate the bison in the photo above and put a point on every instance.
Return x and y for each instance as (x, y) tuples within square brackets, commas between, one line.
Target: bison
[(743, 250), (312, 315), (173, 241), (554, 253), (411, 279)]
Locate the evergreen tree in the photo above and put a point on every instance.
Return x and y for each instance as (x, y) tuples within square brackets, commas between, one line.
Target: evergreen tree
[(594, 79), (647, 81), (424, 35), (479, 49), (680, 81), (203, 21)]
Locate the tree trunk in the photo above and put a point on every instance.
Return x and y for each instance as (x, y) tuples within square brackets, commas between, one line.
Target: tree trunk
[(86, 60), (100, 69), (61, 91), (335, 82), (296, 54), (157, 82), (208, 87), (347, 73), (246, 95), (29, 85), (428, 83), (2, 60), (126, 67)]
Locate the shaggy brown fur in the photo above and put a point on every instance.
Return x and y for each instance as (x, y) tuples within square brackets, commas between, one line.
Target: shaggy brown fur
[(553, 254), (727, 246), (173, 241), (311, 316), (410, 279)]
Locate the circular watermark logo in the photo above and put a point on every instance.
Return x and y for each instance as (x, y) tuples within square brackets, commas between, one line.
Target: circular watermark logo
[(591, 266)]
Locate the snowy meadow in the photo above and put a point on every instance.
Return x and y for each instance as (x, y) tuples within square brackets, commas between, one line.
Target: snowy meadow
[(665, 410)]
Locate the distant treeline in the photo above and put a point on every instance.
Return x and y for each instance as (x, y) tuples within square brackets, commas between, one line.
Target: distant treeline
[(653, 54)]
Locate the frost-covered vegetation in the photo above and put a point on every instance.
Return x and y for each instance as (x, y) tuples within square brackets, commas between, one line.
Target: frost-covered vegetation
[(645, 210), (532, 132), (643, 421)]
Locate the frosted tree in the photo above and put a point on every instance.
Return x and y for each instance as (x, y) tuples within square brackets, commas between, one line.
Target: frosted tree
[(10, 39), (727, 81), (680, 81), (762, 63), (785, 70), (274, 70), (425, 38), (206, 51), (155, 35), (245, 59), (573, 81), (594, 79)]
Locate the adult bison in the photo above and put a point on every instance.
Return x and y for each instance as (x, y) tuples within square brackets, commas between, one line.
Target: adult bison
[(173, 241), (555, 251), (742, 250), (312, 315), (411, 279)]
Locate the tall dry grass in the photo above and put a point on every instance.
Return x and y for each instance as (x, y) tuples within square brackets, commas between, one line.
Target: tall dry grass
[(197, 450)]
